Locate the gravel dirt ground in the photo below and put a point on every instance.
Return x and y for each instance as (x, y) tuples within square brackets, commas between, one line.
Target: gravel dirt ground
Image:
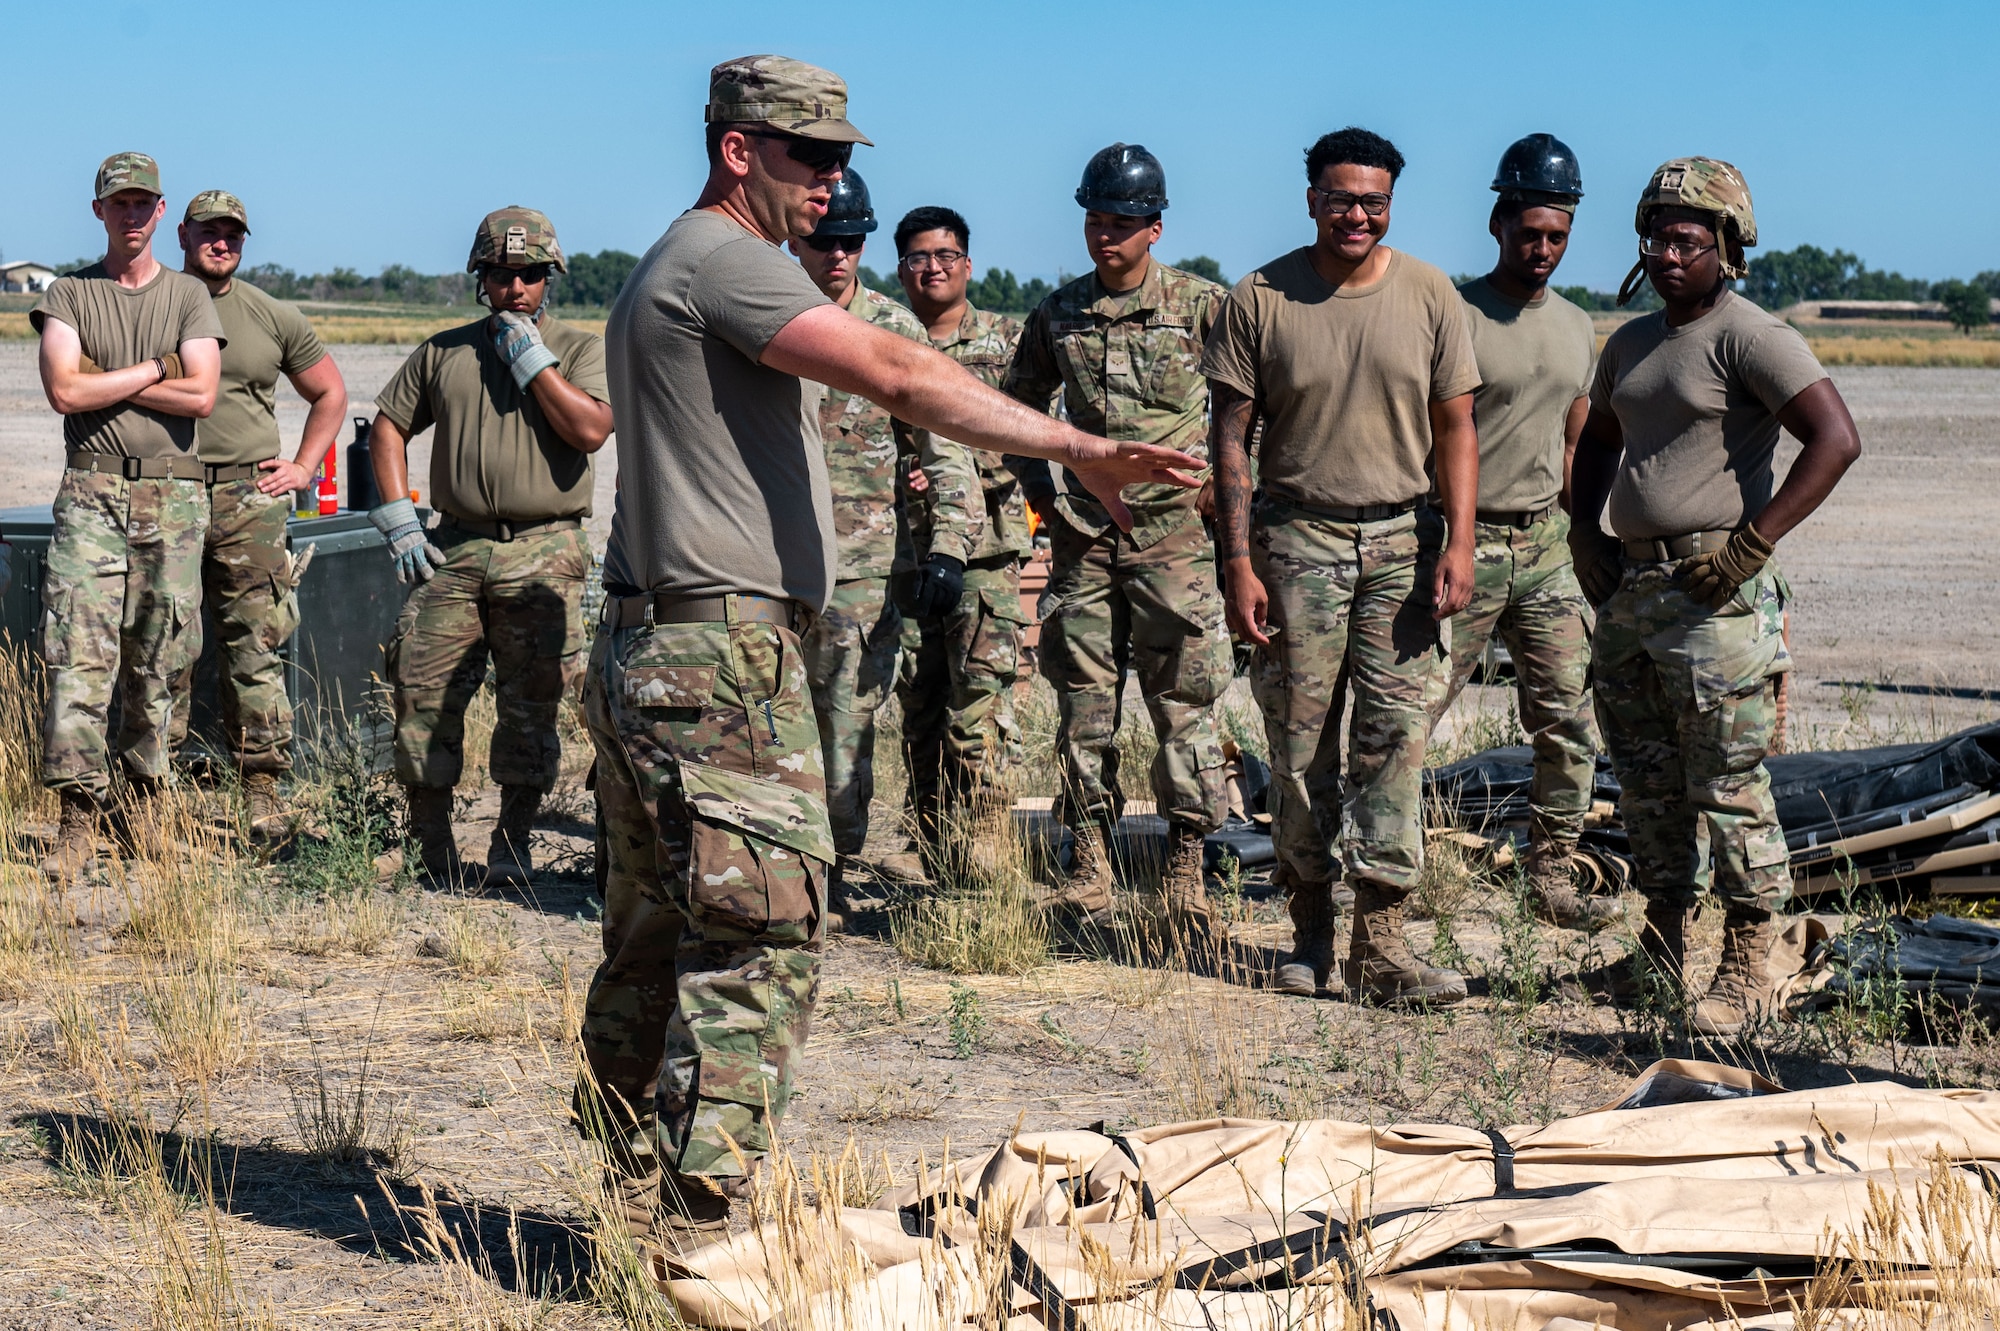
[(456, 1007)]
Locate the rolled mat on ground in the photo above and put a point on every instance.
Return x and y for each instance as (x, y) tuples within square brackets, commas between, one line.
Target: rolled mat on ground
[(1704, 1197)]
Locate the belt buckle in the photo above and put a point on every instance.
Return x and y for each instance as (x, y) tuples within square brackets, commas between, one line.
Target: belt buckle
[(131, 469)]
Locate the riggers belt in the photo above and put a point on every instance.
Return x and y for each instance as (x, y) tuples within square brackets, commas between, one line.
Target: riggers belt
[(121, 600), (1524, 589), (519, 601), (710, 777), (1353, 598), (248, 590), (1686, 698), (1156, 611)]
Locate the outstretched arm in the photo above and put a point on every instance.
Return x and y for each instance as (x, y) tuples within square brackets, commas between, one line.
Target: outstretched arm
[(929, 389), (1247, 603)]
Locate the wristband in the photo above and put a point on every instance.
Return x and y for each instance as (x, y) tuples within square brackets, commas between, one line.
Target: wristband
[(160, 364)]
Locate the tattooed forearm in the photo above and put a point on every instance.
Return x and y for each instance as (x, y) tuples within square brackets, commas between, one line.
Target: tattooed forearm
[(1229, 429)]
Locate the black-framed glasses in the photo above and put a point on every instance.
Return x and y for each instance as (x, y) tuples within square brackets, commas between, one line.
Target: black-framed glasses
[(1340, 202), (822, 155), (828, 244), (1676, 250), (533, 273), (918, 260)]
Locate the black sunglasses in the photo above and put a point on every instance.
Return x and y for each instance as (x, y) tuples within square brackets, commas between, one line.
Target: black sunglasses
[(828, 244), (819, 154), (533, 273)]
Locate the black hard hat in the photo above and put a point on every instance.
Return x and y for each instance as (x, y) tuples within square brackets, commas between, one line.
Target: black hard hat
[(1126, 179), (849, 212), (1539, 164)]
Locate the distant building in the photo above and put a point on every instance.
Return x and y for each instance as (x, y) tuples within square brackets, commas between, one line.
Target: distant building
[(26, 275), (1881, 309)]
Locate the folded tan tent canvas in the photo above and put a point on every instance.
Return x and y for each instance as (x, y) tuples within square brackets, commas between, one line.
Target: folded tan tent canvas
[(1703, 1197)]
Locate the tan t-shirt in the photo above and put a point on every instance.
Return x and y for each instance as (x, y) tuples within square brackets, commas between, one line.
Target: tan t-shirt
[(1344, 378), (1698, 406), (121, 326), (496, 457), (267, 338), (1534, 363), (722, 482)]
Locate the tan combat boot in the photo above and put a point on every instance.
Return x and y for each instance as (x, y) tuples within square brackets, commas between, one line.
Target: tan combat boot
[(74, 849), (509, 862), (1552, 888), (1184, 888), (991, 849), (1308, 971), (1087, 894), (904, 866), (430, 832), (697, 1203), (1655, 969), (1743, 991), (1380, 966), (269, 823)]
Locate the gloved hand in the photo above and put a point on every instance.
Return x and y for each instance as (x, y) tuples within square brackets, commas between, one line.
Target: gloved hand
[(521, 349), (1714, 577), (85, 365), (932, 589), (416, 558), (1595, 555), (173, 363)]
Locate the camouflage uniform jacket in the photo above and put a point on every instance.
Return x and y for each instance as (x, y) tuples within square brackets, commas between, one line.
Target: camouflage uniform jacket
[(984, 343), (868, 454), (1129, 367)]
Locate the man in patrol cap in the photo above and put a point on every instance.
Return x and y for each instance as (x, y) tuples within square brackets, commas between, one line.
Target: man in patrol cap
[(1685, 409), (852, 647), (1534, 351), (520, 405), (130, 356), (248, 576), (960, 741), (1123, 346), (723, 551), (1357, 358)]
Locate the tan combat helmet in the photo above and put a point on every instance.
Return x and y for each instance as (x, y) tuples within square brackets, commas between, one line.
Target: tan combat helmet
[(514, 237), (788, 95), (214, 203), (1705, 184)]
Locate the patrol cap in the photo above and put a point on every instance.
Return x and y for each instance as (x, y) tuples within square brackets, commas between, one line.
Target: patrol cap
[(850, 212), (788, 95), (128, 171), (213, 203), (514, 237)]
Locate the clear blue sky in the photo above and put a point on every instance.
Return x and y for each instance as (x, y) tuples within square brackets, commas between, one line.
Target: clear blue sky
[(369, 133)]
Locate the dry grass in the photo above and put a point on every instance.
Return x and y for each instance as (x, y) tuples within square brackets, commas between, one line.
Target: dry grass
[(1958, 352)]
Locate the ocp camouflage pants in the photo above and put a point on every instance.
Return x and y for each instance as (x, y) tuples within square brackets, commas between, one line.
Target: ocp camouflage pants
[(519, 602), (1687, 700), (121, 605), (850, 665), (1110, 607), (713, 793), (1358, 594), (956, 693), (1524, 588), (247, 590)]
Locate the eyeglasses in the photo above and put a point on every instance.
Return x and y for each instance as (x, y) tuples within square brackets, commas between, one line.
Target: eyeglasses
[(1674, 250), (533, 273), (828, 244), (821, 155), (1340, 202), (918, 260)]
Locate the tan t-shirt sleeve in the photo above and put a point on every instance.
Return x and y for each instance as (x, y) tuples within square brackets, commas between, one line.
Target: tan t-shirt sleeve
[(584, 368), (1777, 366), (1231, 356), (197, 315), (59, 303), (1454, 367), (747, 290), (299, 347), (404, 399)]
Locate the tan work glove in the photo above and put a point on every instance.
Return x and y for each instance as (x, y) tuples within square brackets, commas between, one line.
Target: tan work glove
[(1714, 577), (1595, 556), (173, 362), (85, 365)]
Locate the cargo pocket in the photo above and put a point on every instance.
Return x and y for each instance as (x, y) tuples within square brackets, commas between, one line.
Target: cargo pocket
[(1726, 676), (996, 639), (756, 855)]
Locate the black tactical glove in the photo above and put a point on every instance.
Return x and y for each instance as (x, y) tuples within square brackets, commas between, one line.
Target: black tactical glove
[(932, 589), (1595, 556)]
